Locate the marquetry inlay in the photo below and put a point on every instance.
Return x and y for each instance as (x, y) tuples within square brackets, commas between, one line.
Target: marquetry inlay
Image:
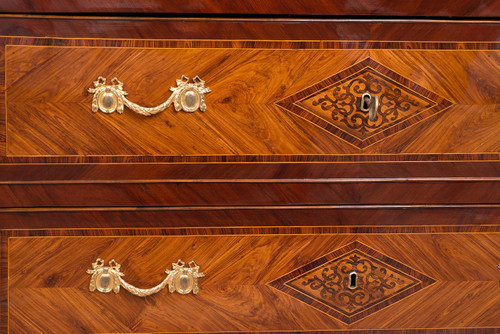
[(336, 101), (326, 282)]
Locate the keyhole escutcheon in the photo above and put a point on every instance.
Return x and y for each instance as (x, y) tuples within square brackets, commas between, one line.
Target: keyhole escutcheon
[(366, 100), (353, 280), (369, 104)]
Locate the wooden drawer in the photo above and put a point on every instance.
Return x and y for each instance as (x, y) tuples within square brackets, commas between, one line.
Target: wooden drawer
[(280, 180), (259, 279), (280, 100), (267, 99), (276, 130)]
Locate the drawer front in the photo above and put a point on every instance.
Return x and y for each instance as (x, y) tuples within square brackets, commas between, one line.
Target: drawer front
[(269, 101), (260, 279)]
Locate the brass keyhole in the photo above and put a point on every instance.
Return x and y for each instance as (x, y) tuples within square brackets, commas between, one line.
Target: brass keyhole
[(353, 280)]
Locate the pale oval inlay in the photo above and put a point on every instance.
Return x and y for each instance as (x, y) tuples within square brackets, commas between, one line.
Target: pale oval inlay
[(184, 282), (107, 100), (190, 100), (104, 282)]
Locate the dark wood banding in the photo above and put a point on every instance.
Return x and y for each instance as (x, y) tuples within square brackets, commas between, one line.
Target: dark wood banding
[(445, 8), (423, 31), (25, 173), (230, 193), (328, 219)]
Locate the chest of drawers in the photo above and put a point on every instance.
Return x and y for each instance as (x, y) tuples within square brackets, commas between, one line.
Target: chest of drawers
[(323, 175)]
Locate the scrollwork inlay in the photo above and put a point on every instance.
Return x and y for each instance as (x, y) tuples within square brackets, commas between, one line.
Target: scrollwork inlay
[(330, 282), (340, 103)]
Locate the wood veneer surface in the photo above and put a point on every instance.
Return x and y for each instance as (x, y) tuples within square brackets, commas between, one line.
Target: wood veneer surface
[(331, 219), (96, 193), (245, 117), (387, 30), (469, 8), (235, 295), (400, 171), (336, 31), (394, 189), (244, 192)]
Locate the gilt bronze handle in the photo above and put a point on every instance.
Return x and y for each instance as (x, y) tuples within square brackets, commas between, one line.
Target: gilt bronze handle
[(187, 96), (109, 278)]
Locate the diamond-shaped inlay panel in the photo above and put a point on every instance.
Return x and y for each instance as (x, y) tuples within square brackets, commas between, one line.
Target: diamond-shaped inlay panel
[(340, 102), (334, 103), (327, 285)]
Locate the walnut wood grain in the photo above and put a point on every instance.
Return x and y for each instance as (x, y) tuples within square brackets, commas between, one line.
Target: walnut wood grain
[(238, 268), (469, 8)]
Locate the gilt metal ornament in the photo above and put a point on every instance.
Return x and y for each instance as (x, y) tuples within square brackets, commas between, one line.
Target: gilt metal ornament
[(109, 278), (187, 96)]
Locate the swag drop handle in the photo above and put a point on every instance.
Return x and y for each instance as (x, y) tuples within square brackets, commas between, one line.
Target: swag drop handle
[(186, 96), (181, 278)]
